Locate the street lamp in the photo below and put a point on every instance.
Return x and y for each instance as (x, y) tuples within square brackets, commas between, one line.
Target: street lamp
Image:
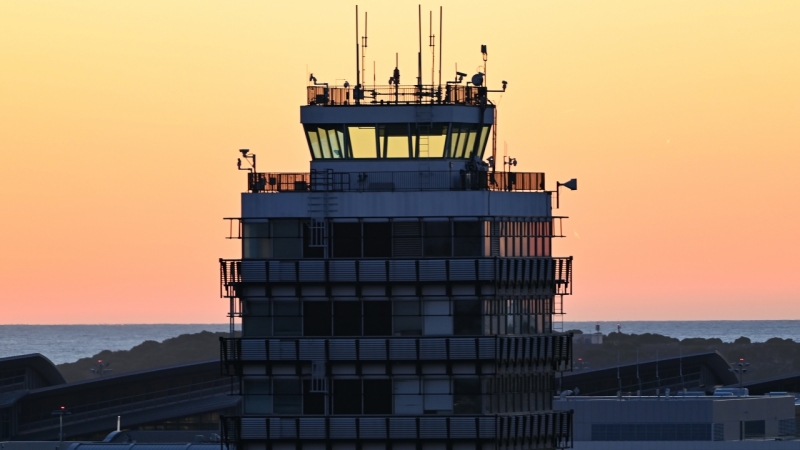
[(740, 368), (61, 412)]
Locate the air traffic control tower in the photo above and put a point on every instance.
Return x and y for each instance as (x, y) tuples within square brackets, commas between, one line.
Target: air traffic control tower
[(400, 294)]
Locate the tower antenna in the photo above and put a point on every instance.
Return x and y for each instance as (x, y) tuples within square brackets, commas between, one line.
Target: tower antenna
[(432, 44), (364, 50), (440, 48), (419, 54), (358, 68)]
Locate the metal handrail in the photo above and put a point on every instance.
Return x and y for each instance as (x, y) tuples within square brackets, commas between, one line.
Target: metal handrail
[(546, 350), (547, 276), (438, 180), (403, 94)]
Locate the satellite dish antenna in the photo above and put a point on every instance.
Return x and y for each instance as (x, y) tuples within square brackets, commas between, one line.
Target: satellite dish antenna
[(477, 79)]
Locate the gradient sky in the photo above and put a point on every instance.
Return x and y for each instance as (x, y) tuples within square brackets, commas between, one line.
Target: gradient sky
[(120, 123)]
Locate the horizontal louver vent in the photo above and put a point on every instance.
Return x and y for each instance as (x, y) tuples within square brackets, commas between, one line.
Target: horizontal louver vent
[(312, 270), (343, 349), (342, 270), (432, 349), (402, 349), (372, 349), (402, 271), (432, 270)]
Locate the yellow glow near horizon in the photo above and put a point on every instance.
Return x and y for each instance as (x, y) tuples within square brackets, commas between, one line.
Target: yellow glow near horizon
[(120, 124)]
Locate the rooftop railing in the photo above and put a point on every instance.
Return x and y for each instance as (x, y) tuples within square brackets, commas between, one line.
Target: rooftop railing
[(451, 94), (551, 429), (545, 276), (452, 180), (553, 351)]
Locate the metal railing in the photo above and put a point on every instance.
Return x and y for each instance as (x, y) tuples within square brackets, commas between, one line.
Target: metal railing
[(552, 351), (453, 180), (552, 429), (451, 94), (543, 276)]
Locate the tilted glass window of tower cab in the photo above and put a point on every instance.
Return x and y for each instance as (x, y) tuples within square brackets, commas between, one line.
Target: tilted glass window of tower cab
[(402, 290)]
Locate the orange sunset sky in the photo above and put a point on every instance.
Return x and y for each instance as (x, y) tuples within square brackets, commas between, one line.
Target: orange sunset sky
[(120, 123)]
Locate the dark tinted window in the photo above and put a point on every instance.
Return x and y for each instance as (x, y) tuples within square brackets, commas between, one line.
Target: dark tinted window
[(347, 318), (346, 239), (377, 396), (437, 239), (313, 403), (467, 317), (316, 318), (378, 239), (377, 318), (467, 240), (347, 396)]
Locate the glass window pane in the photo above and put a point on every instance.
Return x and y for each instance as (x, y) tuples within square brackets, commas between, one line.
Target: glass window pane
[(437, 239), (346, 239), (323, 142), (378, 396), (347, 318), (287, 397), (335, 141), (468, 239), (437, 396), (347, 396), (362, 141), (484, 138), (287, 240), (258, 398), (288, 321), (467, 317), (257, 319), (377, 239), (313, 141), (467, 395), (407, 399), (470, 141), (377, 318), (407, 320), (455, 137), (255, 241), (394, 140)]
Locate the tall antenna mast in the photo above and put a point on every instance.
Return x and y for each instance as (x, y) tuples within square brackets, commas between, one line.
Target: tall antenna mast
[(419, 53), (432, 45), (364, 50), (358, 68), (440, 48)]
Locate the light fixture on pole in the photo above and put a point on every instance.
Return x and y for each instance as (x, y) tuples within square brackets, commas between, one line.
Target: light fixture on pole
[(572, 185), (740, 368), (61, 412)]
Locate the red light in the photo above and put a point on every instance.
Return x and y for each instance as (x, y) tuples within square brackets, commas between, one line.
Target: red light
[(63, 407), (99, 361)]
